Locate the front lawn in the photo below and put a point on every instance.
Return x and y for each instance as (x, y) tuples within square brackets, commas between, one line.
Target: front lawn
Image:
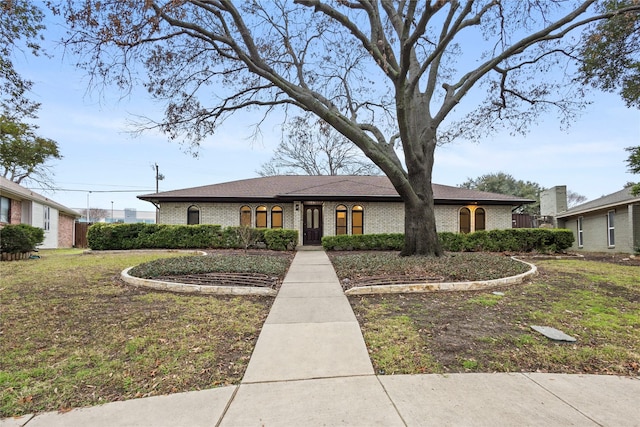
[(481, 331), (72, 334)]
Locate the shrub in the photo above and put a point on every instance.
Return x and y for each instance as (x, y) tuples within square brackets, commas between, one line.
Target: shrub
[(103, 236), (509, 240), (20, 238)]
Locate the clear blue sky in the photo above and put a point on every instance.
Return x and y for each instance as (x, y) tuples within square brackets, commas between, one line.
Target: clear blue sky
[(103, 163)]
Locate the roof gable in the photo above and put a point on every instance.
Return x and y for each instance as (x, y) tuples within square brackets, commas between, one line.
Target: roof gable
[(323, 187)]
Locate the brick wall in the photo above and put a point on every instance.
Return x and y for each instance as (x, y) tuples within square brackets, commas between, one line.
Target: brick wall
[(594, 230), (66, 225), (379, 217)]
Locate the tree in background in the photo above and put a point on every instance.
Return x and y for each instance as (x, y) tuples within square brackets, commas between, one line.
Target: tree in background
[(610, 53), (24, 156), (386, 75), (633, 162), (503, 183), (316, 149), (94, 214), (20, 29)]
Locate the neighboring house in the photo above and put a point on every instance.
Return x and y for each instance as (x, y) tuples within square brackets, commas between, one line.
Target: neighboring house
[(19, 205), (608, 224), (320, 206)]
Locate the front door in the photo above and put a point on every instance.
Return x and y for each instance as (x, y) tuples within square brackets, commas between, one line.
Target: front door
[(312, 225)]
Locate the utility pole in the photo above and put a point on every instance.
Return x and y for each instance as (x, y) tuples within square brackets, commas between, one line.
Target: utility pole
[(159, 177)]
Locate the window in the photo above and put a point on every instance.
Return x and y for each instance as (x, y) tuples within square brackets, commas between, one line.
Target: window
[(611, 238), (261, 217), (357, 220), (580, 236), (479, 219), (245, 216), (465, 220), (193, 215), (47, 218), (5, 210), (276, 217), (341, 220)]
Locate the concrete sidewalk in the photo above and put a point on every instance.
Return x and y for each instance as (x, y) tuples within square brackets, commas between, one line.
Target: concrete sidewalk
[(310, 367)]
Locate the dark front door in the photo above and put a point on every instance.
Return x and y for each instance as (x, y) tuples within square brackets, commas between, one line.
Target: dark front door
[(312, 225)]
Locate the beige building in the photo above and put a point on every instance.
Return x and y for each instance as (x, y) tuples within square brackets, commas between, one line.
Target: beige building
[(320, 206)]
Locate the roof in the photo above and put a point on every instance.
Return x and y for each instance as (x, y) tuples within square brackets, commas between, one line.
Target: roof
[(17, 191), (622, 197), (321, 187)]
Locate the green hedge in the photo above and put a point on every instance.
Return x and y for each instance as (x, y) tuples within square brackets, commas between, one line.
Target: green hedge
[(104, 236), (20, 238), (542, 240)]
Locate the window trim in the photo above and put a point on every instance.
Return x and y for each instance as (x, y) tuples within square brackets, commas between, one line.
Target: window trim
[(46, 218), (193, 209), (261, 212), (5, 201), (345, 228), (460, 220), (580, 228), (357, 209), (244, 212), (275, 210), (611, 229)]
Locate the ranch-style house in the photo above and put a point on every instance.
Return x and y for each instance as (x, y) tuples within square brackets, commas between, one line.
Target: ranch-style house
[(320, 206)]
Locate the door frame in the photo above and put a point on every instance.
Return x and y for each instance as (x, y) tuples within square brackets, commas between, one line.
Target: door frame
[(305, 239)]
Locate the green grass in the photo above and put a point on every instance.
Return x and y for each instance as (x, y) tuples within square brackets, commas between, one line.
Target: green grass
[(72, 334), (597, 303)]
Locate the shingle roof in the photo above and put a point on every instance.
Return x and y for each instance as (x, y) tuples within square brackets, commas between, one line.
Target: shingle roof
[(622, 197), (10, 188), (340, 187)]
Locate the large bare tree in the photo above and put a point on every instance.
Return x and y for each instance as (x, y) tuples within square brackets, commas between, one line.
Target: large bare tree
[(312, 147), (396, 78)]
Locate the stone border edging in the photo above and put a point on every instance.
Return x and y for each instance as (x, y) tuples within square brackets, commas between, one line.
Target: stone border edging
[(446, 286), (188, 288)]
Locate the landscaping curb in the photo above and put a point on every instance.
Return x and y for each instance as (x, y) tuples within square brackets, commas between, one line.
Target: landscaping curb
[(446, 286), (190, 288)]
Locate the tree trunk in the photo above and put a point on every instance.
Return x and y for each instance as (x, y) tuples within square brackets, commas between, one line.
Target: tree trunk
[(420, 235)]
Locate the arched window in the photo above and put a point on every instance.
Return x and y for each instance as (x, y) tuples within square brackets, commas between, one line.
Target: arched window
[(357, 220), (479, 219), (276, 217), (341, 219), (245, 216), (193, 215), (261, 217), (465, 220)]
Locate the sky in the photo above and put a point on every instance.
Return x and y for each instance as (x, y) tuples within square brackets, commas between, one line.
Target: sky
[(105, 166)]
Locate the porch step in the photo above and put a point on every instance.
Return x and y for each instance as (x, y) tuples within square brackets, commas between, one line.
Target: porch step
[(309, 248)]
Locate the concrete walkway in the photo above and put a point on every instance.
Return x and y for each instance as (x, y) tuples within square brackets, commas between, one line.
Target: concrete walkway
[(310, 367)]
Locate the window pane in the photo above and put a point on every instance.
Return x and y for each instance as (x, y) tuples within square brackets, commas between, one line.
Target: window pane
[(341, 219), (261, 217), (193, 215), (4, 209), (580, 235), (479, 219), (465, 220), (245, 216), (276, 217), (357, 220), (611, 229), (316, 218)]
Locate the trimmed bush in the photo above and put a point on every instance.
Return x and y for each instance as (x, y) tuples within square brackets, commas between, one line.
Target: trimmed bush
[(102, 236), (542, 240), (20, 238)]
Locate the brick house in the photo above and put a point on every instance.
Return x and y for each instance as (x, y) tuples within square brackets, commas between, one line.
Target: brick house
[(320, 206), (19, 205), (610, 223)]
